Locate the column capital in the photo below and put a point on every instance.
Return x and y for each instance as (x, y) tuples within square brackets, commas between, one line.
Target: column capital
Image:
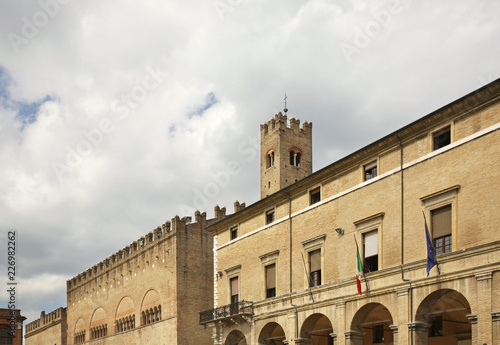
[(333, 336), (483, 276), (349, 335), (394, 328), (472, 318), (303, 341), (418, 326), (495, 316)]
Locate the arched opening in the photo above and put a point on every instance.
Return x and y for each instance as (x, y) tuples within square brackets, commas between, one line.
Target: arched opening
[(443, 315), (371, 325), (318, 329), (295, 157), (272, 334), (235, 338)]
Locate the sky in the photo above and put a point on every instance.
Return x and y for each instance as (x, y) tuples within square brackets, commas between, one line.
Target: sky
[(116, 118)]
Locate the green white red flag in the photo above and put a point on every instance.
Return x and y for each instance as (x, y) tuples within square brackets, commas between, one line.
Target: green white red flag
[(359, 269)]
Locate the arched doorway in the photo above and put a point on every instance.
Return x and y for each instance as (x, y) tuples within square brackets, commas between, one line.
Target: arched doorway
[(272, 334), (371, 325), (318, 329), (236, 338), (444, 315)]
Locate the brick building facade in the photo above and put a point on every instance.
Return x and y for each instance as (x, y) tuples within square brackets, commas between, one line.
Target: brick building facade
[(285, 268), (149, 292), (11, 326)]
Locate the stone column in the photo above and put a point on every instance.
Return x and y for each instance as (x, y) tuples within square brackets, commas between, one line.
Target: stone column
[(419, 331), (473, 327), (354, 338), (395, 335), (339, 322), (403, 317), (495, 319), (484, 330), (333, 336)]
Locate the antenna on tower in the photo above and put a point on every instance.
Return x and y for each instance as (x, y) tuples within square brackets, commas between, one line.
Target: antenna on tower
[(285, 110)]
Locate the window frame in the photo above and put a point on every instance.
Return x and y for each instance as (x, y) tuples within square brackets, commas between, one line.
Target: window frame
[(272, 213), (439, 199), (266, 260), (233, 231), (439, 132), (367, 225), (312, 193), (311, 245), (370, 166), (233, 272)]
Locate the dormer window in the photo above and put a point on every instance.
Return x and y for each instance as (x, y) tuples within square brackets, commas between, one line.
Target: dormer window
[(295, 157)]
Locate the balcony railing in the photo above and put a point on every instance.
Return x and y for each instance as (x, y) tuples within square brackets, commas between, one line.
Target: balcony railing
[(226, 312)]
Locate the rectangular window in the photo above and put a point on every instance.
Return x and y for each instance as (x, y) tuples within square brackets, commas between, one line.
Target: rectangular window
[(315, 267), (234, 232), (441, 229), (370, 170), (370, 251), (378, 334), (315, 195), (234, 295), (441, 138), (270, 281), (436, 329), (269, 216)]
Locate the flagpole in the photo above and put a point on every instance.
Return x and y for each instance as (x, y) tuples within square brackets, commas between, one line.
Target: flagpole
[(357, 248)]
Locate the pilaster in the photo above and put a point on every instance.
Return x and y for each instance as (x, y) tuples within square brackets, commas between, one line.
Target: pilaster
[(401, 334), (484, 330), (495, 320), (339, 321)]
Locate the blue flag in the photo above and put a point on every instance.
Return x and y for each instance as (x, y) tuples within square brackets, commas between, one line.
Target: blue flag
[(431, 259)]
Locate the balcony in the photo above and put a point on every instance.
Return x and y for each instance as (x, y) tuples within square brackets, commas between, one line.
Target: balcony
[(227, 313)]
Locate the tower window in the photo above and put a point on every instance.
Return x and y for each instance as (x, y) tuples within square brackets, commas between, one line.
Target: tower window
[(295, 157), (270, 159)]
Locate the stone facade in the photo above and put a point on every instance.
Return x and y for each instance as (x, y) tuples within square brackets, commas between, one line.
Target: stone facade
[(11, 326), (149, 292), (291, 278), (50, 328)]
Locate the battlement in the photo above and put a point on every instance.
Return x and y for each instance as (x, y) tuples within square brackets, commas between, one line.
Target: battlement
[(280, 122), (137, 250), (46, 320)]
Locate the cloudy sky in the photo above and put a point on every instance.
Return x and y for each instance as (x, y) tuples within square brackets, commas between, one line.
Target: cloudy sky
[(117, 115)]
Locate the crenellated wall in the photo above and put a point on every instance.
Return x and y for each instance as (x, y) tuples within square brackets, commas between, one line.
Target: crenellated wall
[(164, 277), (48, 329)]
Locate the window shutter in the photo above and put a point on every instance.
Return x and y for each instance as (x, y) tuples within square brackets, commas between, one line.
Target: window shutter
[(234, 286), (271, 276), (315, 260), (371, 243), (441, 221)]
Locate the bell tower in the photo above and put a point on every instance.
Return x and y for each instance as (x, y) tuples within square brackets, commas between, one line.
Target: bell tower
[(285, 153)]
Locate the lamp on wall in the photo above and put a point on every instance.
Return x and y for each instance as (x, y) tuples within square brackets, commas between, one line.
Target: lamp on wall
[(339, 231), (219, 273)]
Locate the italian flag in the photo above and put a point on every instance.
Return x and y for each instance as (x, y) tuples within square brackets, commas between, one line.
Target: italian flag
[(359, 269)]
